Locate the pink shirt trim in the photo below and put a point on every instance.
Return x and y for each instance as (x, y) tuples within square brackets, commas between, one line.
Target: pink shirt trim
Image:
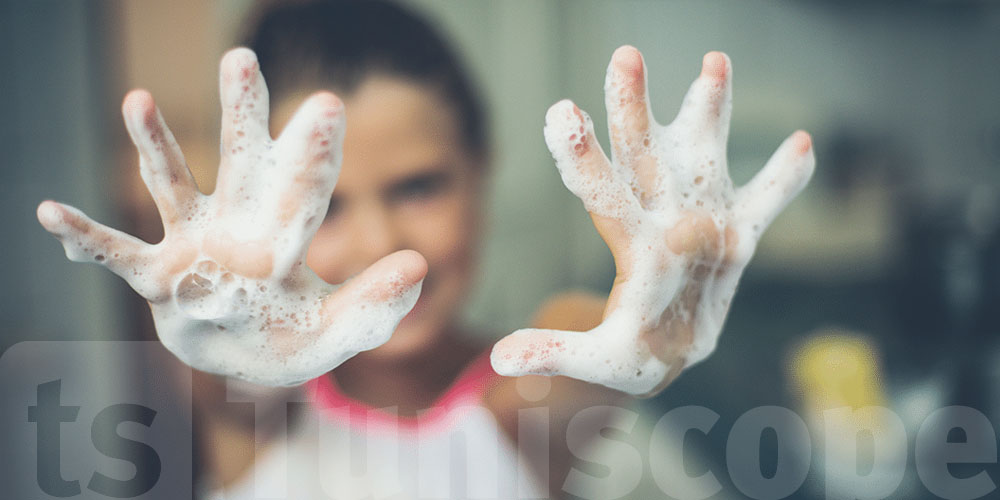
[(465, 392)]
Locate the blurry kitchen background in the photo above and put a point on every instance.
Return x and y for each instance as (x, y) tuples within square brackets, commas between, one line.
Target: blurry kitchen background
[(882, 279)]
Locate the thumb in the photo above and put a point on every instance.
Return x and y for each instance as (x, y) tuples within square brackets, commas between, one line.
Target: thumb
[(393, 280), (587, 356), (533, 351)]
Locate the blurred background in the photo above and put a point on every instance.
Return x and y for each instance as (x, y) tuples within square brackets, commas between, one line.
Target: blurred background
[(879, 285)]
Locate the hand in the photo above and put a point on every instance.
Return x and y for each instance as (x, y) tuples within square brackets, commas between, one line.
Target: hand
[(228, 285), (680, 233)]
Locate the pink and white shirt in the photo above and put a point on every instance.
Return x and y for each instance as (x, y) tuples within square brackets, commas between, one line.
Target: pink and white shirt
[(344, 449)]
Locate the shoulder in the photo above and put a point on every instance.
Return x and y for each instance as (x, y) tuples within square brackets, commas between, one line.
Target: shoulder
[(575, 310)]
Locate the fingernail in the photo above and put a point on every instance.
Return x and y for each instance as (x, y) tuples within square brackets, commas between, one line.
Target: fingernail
[(628, 62), (803, 141), (714, 65)]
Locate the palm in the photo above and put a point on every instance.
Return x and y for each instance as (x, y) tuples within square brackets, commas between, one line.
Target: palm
[(228, 285), (679, 231)]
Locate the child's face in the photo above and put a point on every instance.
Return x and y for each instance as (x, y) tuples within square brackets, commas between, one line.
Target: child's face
[(407, 182)]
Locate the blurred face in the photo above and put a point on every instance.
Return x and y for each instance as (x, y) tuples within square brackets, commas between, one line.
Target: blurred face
[(407, 182)]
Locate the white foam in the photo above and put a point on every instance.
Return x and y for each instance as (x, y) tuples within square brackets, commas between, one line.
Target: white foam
[(671, 195), (228, 286)]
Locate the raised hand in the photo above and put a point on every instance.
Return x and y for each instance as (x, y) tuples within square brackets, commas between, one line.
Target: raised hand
[(680, 233), (228, 285)]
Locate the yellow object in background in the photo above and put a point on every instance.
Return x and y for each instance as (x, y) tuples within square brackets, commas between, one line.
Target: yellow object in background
[(836, 368)]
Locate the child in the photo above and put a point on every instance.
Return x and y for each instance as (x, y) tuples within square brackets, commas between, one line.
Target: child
[(405, 218)]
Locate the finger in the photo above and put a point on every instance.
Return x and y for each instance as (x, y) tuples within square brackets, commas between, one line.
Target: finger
[(781, 179), (244, 101), (394, 279), (313, 143), (161, 163), (627, 102), (585, 170), (87, 241), (580, 355), (534, 351), (708, 103), (371, 305)]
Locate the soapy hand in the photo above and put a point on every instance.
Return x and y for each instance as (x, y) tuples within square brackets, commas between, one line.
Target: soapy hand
[(228, 286), (680, 232)]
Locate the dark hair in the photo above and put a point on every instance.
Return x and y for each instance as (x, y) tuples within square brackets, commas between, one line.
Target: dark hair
[(339, 43)]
